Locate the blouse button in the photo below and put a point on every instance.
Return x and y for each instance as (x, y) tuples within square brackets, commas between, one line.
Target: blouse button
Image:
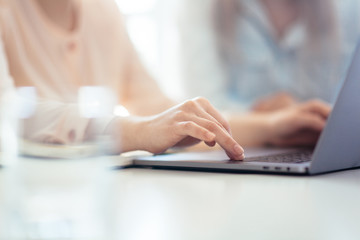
[(71, 46)]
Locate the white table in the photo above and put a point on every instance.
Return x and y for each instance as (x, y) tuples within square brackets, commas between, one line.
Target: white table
[(159, 204), (185, 205)]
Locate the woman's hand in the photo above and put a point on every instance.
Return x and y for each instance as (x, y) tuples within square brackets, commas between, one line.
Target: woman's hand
[(184, 125), (299, 125), (187, 124)]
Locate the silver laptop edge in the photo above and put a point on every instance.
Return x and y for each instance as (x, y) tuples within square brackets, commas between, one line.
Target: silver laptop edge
[(339, 144)]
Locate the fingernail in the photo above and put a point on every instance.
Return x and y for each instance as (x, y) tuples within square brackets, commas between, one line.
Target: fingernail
[(238, 150)]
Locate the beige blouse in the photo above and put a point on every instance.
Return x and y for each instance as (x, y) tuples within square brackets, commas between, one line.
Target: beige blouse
[(57, 63)]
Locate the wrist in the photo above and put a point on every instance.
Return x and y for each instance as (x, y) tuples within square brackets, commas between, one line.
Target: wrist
[(263, 133), (126, 134), (271, 128), (268, 129), (251, 129)]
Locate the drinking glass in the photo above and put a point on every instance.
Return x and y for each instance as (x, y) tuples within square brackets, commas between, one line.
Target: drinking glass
[(56, 165)]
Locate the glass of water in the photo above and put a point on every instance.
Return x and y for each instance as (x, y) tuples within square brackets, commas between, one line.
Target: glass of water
[(56, 165)]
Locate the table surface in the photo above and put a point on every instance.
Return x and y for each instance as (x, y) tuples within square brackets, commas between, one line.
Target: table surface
[(160, 204), (169, 204)]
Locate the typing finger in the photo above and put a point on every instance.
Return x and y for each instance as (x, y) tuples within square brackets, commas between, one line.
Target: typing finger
[(222, 137), (319, 107), (212, 111), (192, 129)]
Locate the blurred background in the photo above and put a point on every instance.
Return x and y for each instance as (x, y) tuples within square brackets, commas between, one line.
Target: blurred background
[(153, 28), (240, 53)]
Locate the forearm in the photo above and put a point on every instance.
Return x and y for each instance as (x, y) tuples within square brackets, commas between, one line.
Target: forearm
[(250, 129), (148, 105)]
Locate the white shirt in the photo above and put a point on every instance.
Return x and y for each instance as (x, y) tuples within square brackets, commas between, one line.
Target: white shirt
[(38, 53), (267, 66)]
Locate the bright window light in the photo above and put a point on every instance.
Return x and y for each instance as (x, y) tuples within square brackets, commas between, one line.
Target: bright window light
[(153, 30), (136, 6)]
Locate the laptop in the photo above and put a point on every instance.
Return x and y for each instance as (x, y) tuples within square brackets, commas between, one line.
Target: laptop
[(338, 147)]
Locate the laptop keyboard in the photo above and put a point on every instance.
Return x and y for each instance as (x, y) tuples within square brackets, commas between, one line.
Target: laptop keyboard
[(293, 157)]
